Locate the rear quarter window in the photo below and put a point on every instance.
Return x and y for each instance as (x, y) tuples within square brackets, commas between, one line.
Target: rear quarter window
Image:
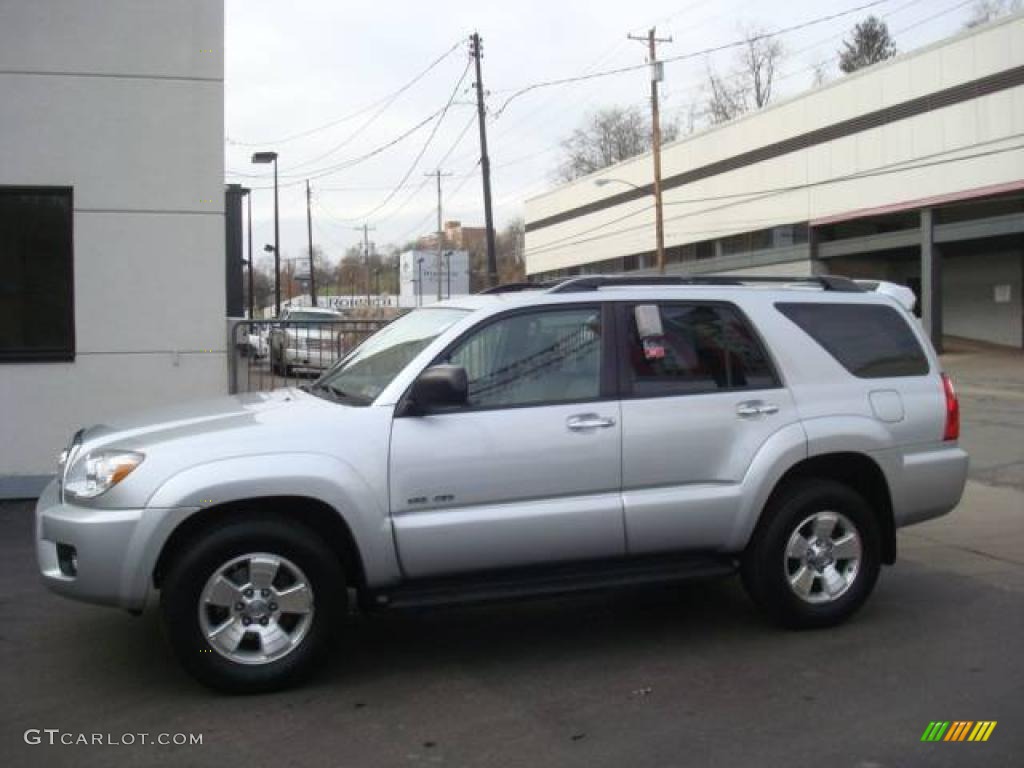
[(871, 341)]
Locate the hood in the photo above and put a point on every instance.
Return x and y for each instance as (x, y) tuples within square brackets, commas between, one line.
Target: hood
[(223, 426), (181, 436)]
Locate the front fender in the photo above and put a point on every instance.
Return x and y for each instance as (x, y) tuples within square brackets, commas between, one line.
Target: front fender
[(311, 475)]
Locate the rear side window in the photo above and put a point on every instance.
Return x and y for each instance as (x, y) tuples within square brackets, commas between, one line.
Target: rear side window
[(871, 341), (705, 348)]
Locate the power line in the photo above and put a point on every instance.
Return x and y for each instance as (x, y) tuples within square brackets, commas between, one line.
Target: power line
[(686, 56), (900, 167), (353, 161), (419, 156), (361, 111)]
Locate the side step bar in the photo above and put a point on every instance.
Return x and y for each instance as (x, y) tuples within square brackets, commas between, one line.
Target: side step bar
[(543, 581)]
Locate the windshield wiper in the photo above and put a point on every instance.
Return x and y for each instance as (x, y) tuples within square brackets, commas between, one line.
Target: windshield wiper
[(336, 393)]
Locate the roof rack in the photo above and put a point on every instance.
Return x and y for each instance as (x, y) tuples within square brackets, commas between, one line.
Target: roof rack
[(595, 282), (521, 286)]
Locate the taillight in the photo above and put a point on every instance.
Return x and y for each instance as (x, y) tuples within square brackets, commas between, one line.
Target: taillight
[(952, 430)]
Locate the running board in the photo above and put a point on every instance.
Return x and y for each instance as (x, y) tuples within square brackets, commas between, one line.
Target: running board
[(544, 581)]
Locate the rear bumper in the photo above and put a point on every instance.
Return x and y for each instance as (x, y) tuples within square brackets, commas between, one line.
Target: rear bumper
[(319, 359), (927, 483)]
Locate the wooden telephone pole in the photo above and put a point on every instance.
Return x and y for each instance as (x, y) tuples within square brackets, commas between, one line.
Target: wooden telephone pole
[(476, 51), (657, 73)]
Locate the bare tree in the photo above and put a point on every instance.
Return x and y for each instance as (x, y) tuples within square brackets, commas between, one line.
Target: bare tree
[(869, 43), (608, 137), (821, 73), (984, 11), (758, 59), (511, 244), (749, 85), (726, 99)]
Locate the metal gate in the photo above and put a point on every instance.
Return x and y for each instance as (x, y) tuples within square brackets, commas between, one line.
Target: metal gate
[(267, 354)]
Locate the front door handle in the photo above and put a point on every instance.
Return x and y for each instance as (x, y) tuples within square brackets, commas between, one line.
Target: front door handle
[(752, 408), (586, 421)]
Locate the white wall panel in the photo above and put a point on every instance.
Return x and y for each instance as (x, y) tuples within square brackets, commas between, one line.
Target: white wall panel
[(170, 38), (149, 282), (42, 405), (123, 144)]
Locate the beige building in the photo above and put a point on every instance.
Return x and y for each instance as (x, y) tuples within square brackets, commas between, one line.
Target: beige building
[(458, 237), (911, 170), (112, 234)]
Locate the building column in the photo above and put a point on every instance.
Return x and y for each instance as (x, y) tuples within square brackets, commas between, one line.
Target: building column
[(817, 265), (233, 254), (931, 280)]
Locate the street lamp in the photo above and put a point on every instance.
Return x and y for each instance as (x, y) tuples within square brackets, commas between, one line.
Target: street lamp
[(602, 182), (271, 157), (659, 231), (448, 271), (419, 282)]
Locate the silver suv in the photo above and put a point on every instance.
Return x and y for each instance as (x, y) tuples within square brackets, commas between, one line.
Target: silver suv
[(603, 432)]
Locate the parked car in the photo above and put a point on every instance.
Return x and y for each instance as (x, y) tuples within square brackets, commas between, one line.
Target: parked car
[(594, 434), (255, 343), (305, 339)]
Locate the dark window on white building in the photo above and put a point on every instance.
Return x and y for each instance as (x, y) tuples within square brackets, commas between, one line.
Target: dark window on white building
[(36, 274)]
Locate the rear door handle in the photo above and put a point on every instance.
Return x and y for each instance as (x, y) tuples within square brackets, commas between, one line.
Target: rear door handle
[(587, 421), (752, 408)]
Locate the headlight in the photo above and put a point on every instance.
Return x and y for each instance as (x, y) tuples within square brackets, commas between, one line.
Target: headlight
[(98, 472)]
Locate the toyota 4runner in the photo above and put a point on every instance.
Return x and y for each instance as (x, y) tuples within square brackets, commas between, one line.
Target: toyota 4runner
[(602, 432)]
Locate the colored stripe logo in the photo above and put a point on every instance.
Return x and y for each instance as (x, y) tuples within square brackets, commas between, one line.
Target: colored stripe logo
[(958, 730)]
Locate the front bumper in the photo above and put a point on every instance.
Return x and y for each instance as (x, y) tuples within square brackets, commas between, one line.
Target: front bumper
[(107, 567)]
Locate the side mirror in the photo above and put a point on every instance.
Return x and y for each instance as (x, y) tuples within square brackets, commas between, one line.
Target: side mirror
[(439, 387)]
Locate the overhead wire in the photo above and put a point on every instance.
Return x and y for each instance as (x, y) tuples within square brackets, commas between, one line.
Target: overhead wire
[(361, 111), (685, 56)]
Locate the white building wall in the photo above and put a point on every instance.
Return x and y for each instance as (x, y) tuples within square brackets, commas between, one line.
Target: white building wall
[(411, 294), (122, 100), (733, 202)]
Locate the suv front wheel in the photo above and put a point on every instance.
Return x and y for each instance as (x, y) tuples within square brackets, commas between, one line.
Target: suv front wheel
[(252, 605), (816, 559)]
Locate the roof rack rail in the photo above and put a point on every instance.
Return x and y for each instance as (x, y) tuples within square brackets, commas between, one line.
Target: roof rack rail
[(521, 286), (595, 282)]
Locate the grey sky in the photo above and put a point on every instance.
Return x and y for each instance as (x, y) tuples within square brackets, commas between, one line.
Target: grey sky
[(294, 66)]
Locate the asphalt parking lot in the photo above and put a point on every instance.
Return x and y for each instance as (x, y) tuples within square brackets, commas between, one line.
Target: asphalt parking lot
[(681, 676)]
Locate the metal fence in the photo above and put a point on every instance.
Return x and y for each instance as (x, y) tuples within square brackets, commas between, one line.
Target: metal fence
[(267, 354)]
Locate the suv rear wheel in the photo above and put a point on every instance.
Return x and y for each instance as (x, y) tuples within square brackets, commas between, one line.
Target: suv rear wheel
[(816, 559), (252, 606)]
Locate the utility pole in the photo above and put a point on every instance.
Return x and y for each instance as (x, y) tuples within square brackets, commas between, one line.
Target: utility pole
[(366, 229), (476, 51), (657, 73), (440, 229), (309, 232)]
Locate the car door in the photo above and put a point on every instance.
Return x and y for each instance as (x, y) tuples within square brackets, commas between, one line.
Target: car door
[(529, 471), (699, 401)]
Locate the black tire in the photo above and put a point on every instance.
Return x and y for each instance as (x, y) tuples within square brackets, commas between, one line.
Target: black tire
[(188, 575), (764, 564)]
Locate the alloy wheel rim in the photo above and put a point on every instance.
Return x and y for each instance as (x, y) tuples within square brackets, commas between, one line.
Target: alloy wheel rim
[(256, 608), (823, 557)]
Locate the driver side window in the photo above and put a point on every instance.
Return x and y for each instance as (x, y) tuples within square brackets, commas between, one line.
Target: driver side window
[(534, 358)]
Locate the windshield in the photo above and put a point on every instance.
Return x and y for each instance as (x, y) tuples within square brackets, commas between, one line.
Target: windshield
[(364, 374)]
